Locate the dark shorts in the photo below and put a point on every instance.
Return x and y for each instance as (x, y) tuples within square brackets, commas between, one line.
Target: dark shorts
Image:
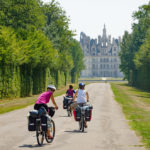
[(37, 106)]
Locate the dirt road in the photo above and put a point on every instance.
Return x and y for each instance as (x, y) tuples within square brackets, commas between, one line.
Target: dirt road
[(108, 129)]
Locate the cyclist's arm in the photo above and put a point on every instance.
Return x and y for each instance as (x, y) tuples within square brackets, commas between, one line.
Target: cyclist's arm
[(75, 96), (53, 101), (87, 96)]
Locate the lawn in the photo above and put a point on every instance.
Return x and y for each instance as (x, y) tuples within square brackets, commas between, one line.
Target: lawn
[(135, 105)]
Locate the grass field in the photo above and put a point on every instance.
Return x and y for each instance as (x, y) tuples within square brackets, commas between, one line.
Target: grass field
[(136, 107), (8, 105)]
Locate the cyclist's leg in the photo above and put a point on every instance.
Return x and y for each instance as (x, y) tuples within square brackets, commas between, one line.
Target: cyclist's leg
[(73, 105)]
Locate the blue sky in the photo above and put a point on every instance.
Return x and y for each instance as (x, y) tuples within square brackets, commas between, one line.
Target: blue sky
[(89, 16)]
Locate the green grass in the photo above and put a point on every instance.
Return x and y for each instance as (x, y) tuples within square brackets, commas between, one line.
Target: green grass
[(136, 107), (8, 105)]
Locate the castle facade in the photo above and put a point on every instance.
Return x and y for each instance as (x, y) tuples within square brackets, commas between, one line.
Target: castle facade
[(101, 56)]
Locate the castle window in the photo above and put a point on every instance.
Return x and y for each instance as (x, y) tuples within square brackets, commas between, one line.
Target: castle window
[(93, 66), (107, 66)]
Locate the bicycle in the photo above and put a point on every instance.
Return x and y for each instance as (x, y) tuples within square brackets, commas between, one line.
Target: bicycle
[(82, 120), (40, 134), (68, 107), (84, 113), (41, 127)]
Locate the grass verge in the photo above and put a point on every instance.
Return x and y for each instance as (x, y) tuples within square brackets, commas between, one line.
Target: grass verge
[(18, 103), (136, 107)]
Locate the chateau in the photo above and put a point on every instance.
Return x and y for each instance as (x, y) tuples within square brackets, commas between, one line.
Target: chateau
[(101, 56)]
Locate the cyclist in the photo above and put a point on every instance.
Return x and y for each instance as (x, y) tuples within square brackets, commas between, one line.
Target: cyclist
[(82, 97), (70, 91), (43, 99)]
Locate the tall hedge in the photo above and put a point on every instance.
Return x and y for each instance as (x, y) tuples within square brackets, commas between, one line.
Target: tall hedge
[(36, 48)]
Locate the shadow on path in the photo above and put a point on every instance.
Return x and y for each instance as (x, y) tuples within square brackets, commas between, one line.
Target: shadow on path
[(75, 131), (31, 146), (64, 116)]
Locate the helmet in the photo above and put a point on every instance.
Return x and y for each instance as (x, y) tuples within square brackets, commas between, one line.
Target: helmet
[(81, 85), (51, 87)]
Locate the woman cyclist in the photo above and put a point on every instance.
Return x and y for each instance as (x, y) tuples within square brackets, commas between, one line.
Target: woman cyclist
[(82, 97), (43, 99)]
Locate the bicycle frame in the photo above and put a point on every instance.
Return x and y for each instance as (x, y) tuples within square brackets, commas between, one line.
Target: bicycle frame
[(81, 122)]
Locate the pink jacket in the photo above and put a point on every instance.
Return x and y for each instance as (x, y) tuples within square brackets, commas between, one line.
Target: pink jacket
[(44, 98)]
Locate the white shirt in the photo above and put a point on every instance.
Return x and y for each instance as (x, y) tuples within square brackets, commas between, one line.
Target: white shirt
[(81, 96)]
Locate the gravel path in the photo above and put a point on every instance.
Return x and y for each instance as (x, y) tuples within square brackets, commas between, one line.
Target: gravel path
[(108, 129)]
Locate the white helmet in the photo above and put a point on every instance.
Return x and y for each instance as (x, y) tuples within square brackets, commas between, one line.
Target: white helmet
[(51, 87)]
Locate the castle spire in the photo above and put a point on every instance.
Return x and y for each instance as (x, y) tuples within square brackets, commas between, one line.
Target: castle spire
[(104, 31)]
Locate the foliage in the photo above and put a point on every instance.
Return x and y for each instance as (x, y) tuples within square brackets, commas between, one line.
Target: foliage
[(135, 50), (36, 47), (77, 54)]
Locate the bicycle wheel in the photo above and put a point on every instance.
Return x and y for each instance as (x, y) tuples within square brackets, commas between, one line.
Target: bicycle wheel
[(39, 135), (82, 124), (69, 111), (52, 131)]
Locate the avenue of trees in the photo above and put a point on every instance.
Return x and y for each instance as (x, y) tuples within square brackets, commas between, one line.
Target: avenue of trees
[(37, 48), (135, 50)]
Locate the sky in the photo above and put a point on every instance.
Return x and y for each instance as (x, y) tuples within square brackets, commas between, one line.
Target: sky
[(89, 16)]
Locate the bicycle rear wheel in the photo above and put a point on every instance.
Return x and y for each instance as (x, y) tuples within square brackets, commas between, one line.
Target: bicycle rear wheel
[(82, 124), (52, 131), (69, 111), (39, 135)]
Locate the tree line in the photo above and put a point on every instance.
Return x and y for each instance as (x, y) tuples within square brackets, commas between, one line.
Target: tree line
[(37, 48), (135, 50)]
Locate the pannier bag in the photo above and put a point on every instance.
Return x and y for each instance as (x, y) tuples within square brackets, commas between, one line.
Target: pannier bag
[(65, 103), (33, 114), (77, 114), (88, 113), (51, 111), (44, 124)]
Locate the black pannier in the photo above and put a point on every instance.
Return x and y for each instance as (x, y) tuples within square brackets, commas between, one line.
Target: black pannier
[(77, 114), (88, 113), (44, 123), (65, 103), (51, 111), (31, 123), (33, 114)]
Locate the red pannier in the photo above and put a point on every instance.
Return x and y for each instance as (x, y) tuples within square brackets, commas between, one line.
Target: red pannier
[(77, 114)]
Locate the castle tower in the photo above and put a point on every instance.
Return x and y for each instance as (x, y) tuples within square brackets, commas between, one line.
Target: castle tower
[(104, 37), (104, 32), (101, 56)]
